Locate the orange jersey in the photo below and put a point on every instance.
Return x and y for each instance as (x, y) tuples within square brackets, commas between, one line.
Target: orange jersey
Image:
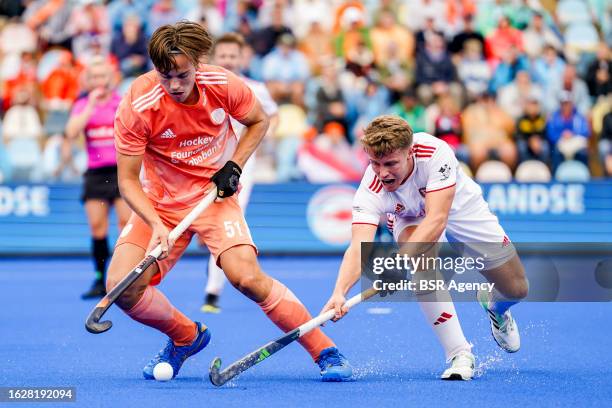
[(183, 145)]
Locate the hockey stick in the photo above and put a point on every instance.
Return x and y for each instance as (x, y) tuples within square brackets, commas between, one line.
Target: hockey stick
[(219, 377), (93, 323)]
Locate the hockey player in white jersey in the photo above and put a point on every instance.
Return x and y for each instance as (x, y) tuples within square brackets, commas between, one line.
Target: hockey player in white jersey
[(417, 178), (228, 53)]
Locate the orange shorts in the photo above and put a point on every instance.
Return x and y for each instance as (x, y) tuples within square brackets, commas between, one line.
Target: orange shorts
[(221, 226)]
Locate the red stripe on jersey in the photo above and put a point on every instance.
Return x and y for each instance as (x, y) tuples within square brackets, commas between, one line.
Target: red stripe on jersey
[(373, 183), (419, 146), (443, 188), (378, 186)]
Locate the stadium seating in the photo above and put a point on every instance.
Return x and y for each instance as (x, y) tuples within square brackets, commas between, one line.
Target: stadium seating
[(572, 171), (573, 11), (25, 158), (532, 171), (493, 171), (5, 165), (581, 37), (367, 87)]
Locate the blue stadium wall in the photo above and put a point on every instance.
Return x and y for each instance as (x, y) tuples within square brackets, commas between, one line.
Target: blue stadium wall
[(308, 219)]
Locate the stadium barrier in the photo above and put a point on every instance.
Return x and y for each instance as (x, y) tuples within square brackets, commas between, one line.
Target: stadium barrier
[(301, 218)]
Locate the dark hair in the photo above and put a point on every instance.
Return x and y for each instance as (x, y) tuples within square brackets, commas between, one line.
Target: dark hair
[(230, 38), (185, 37)]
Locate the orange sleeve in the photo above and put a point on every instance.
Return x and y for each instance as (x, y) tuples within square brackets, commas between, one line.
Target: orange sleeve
[(131, 132), (240, 98)]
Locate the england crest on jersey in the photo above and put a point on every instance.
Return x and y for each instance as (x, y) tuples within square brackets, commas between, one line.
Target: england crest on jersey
[(445, 172)]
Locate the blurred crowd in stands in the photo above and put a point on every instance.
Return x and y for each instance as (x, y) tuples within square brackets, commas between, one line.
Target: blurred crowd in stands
[(520, 89)]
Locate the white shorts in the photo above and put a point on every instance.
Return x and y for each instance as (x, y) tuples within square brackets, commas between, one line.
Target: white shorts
[(474, 232)]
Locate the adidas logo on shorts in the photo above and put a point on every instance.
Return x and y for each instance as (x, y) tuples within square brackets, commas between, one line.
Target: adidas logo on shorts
[(168, 134)]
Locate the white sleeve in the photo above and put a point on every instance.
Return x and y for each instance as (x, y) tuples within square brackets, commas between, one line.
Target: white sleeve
[(367, 205), (266, 101), (442, 168)]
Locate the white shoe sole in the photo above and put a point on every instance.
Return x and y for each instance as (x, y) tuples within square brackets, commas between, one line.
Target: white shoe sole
[(457, 375)]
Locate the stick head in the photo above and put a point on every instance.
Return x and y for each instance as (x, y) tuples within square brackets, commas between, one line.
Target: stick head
[(93, 323), (213, 372)]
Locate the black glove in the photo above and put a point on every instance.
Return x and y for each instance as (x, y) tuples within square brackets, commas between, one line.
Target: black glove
[(226, 179)]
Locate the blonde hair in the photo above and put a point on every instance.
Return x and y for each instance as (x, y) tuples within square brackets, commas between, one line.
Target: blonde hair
[(386, 134), (184, 37)]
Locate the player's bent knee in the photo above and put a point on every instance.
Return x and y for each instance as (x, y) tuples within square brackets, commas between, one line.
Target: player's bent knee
[(131, 296), (520, 289), (248, 282)]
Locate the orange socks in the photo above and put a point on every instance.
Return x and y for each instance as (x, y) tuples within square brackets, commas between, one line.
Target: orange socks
[(287, 312), (281, 306), (154, 310)]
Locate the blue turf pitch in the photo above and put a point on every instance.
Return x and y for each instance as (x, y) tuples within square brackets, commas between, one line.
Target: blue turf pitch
[(565, 357)]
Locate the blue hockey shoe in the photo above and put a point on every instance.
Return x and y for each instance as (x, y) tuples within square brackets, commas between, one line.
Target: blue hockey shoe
[(176, 355), (334, 366)]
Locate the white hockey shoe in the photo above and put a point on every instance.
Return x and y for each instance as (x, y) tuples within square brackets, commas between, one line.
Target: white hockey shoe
[(503, 327), (462, 367)]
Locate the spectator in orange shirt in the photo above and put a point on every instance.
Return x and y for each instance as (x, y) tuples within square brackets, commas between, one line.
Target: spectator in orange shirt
[(25, 77), (502, 39), (487, 132), (59, 90), (387, 31), (353, 35), (316, 46), (350, 6), (61, 87)]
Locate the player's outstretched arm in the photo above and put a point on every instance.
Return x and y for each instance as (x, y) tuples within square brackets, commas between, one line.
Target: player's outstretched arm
[(128, 172), (350, 269)]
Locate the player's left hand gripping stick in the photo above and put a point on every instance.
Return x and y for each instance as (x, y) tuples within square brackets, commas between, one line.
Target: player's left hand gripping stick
[(219, 377), (227, 179), (93, 323)]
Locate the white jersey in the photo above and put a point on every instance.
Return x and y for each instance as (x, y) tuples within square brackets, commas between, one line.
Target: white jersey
[(435, 168), (263, 96), (271, 108)]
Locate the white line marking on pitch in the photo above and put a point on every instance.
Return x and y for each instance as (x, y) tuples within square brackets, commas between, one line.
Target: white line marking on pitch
[(378, 310)]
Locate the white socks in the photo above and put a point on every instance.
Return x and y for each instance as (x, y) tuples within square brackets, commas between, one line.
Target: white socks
[(440, 313)]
